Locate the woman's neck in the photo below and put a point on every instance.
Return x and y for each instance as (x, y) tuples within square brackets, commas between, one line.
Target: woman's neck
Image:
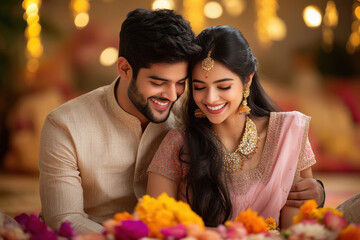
[(230, 131)]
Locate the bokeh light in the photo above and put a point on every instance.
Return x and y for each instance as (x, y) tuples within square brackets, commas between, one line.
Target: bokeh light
[(213, 10), (276, 29), (160, 4), (32, 65), (81, 20), (312, 16), (108, 56), (234, 7)]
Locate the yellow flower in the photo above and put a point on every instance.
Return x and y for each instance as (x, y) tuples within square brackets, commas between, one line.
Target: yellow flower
[(165, 211), (271, 224), (309, 210), (306, 210), (252, 222)]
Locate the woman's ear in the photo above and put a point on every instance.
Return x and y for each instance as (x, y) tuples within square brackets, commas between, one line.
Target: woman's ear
[(124, 68), (249, 79)]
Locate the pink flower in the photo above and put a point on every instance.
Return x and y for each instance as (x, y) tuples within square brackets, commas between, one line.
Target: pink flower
[(175, 232), (236, 230), (66, 231), (37, 228), (334, 222), (131, 230)]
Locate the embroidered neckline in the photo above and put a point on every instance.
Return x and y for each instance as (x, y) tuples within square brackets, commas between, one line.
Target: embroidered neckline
[(243, 180)]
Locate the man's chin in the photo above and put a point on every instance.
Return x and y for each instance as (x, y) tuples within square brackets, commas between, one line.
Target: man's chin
[(160, 118)]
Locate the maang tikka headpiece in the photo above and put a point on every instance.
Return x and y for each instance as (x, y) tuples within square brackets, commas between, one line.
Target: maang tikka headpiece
[(208, 63)]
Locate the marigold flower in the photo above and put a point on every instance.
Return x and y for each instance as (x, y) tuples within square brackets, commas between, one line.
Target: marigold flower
[(306, 210), (252, 222), (123, 216), (309, 210), (349, 233), (271, 224), (165, 211)]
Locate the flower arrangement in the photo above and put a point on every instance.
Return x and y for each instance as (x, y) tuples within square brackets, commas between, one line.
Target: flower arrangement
[(168, 219)]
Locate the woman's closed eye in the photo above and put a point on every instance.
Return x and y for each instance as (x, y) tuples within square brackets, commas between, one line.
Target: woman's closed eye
[(224, 88)]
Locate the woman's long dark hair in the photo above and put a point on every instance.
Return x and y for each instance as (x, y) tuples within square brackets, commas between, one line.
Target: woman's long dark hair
[(207, 189)]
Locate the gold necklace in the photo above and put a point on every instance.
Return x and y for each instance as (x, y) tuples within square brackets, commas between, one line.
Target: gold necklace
[(246, 149)]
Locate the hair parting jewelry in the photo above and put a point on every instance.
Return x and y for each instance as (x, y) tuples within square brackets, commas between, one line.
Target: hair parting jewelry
[(208, 63), (235, 161)]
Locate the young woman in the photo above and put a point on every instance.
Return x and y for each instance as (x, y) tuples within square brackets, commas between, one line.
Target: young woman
[(236, 151)]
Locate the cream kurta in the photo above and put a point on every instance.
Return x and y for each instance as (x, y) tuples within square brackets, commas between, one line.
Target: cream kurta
[(93, 160)]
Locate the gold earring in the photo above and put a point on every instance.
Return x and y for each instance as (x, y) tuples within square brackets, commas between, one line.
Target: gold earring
[(199, 114), (244, 108)]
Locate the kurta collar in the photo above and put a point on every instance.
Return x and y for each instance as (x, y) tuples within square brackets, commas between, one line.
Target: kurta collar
[(118, 112)]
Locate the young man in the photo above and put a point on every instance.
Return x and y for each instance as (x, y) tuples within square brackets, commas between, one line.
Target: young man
[(95, 149)]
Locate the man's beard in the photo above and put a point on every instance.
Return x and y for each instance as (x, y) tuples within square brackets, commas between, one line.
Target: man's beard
[(142, 104)]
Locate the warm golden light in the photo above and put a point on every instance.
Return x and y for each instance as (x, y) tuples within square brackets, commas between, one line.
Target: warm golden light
[(213, 10), (357, 12), (161, 4), (234, 7), (191, 10), (34, 47), (331, 14), (276, 29), (355, 26), (109, 56), (27, 3), (32, 19), (32, 9), (33, 30), (354, 39), (80, 6), (32, 65), (312, 16), (81, 20)]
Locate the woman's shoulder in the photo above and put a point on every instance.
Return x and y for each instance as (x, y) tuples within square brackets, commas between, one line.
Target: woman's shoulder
[(291, 118), (290, 114), (176, 135)]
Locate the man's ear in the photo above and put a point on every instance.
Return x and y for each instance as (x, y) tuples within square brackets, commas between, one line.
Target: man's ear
[(124, 68), (249, 79)]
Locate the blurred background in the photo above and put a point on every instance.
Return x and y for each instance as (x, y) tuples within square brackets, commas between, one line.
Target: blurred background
[(52, 51)]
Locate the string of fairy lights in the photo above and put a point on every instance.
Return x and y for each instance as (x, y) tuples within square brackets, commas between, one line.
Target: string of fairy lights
[(34, 47), (269, 26)]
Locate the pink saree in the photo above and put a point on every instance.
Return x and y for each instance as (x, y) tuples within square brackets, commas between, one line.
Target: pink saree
[(265, 188)]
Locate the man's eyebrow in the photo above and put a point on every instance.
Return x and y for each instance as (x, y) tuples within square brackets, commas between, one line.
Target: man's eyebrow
[(217, 81), (165, 80)]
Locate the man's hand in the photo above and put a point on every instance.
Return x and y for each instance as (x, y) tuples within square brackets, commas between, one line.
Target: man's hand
[(305, 189)]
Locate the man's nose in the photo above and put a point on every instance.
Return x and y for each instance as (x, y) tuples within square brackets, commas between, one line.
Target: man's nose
[(170, 93)]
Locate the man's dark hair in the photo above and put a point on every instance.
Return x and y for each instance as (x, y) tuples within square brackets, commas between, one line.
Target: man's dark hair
[(148, 37)]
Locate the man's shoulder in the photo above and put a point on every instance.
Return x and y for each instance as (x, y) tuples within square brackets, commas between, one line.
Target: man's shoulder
[(81, 105)]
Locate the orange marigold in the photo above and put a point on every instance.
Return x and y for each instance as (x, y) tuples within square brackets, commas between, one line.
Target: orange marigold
[(350, 232), (306, 211), (252, 222), (309, 210), (271, 224), (123, 216), (165, 211)]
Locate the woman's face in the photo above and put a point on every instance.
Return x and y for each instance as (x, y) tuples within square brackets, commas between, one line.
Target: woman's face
[(218, 93)]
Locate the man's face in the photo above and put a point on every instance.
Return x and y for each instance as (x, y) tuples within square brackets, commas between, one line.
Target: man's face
[(156, 89)]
